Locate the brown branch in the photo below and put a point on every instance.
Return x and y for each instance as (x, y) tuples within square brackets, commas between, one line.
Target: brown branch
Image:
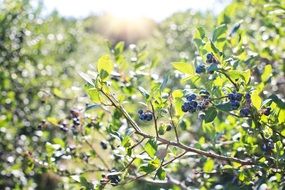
[(175, 158), (176, 144)]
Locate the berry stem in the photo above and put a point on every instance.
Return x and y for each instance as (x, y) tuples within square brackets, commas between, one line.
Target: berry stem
[(154, 119), (228, 77)]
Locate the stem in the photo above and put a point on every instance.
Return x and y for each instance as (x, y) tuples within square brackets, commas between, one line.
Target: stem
[(172, 122), (98, 155), (229, 78), (176, 144), (154, 119), (175, 158)]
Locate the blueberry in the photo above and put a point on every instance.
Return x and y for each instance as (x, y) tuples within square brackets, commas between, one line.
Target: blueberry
[(193, 104), (140, 111), (247, 96), (168, 128), (200, 69), (185, 107), (268, 145), (235, 104), (204, 92), (191, 97), (267, 111), (192, 109), (103, 145), (209, 56), (148, 116), (244, 112), (238, 96), (141, 116), (231, 96)]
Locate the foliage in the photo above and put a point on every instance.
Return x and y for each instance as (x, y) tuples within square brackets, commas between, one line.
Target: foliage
[(213, 120)]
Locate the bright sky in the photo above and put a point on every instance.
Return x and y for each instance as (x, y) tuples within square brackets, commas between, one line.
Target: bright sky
[(155, 9)]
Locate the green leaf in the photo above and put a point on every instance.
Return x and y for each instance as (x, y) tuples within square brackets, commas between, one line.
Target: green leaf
[(224, 107), (164, 82), (151, 147), (267, 72), (119, 48), (219, 31), (212, 67), (209, 165), (186, 68), (86, 184), (126, 142), (277, 100), (144, 92), (161, 174), (87, 78), (210, 114), (105, 66)]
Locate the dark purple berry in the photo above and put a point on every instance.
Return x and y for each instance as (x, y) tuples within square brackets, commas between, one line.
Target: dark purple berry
[(191, 97), (193, 104), (209, 56), (231, 96), (168, 128), (148, 116), (140, 111), (200, 69), (185, 107), (103, 145), (247, 96), (235, 104), (267, 111), (244, 112), (238, 96)]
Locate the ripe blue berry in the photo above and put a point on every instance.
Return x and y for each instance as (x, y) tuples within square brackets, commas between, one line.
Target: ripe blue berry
[(148, 116), (244, 112), (193, 104), (204, 92), (247, 96), (209, 56), (231, 97), (200, 69), (238, 96), (140, 111), (235, 104), (267, 111), (185, 107), (191, 97)]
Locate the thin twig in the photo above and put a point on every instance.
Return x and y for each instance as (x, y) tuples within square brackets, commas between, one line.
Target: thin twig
[(175, 158), (98, 155), (172, 122), (176, 144), (228, 77), (154, 119)]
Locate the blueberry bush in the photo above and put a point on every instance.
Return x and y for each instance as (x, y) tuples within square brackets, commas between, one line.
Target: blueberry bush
[(214, 119)]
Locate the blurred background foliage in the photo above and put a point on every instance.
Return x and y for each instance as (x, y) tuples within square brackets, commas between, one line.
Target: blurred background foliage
[(41, 56)]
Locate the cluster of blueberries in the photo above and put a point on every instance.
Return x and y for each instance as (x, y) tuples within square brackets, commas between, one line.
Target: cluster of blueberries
[(235, 99), (192, 105), (201, 68), (112, 177), (145, 116)]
